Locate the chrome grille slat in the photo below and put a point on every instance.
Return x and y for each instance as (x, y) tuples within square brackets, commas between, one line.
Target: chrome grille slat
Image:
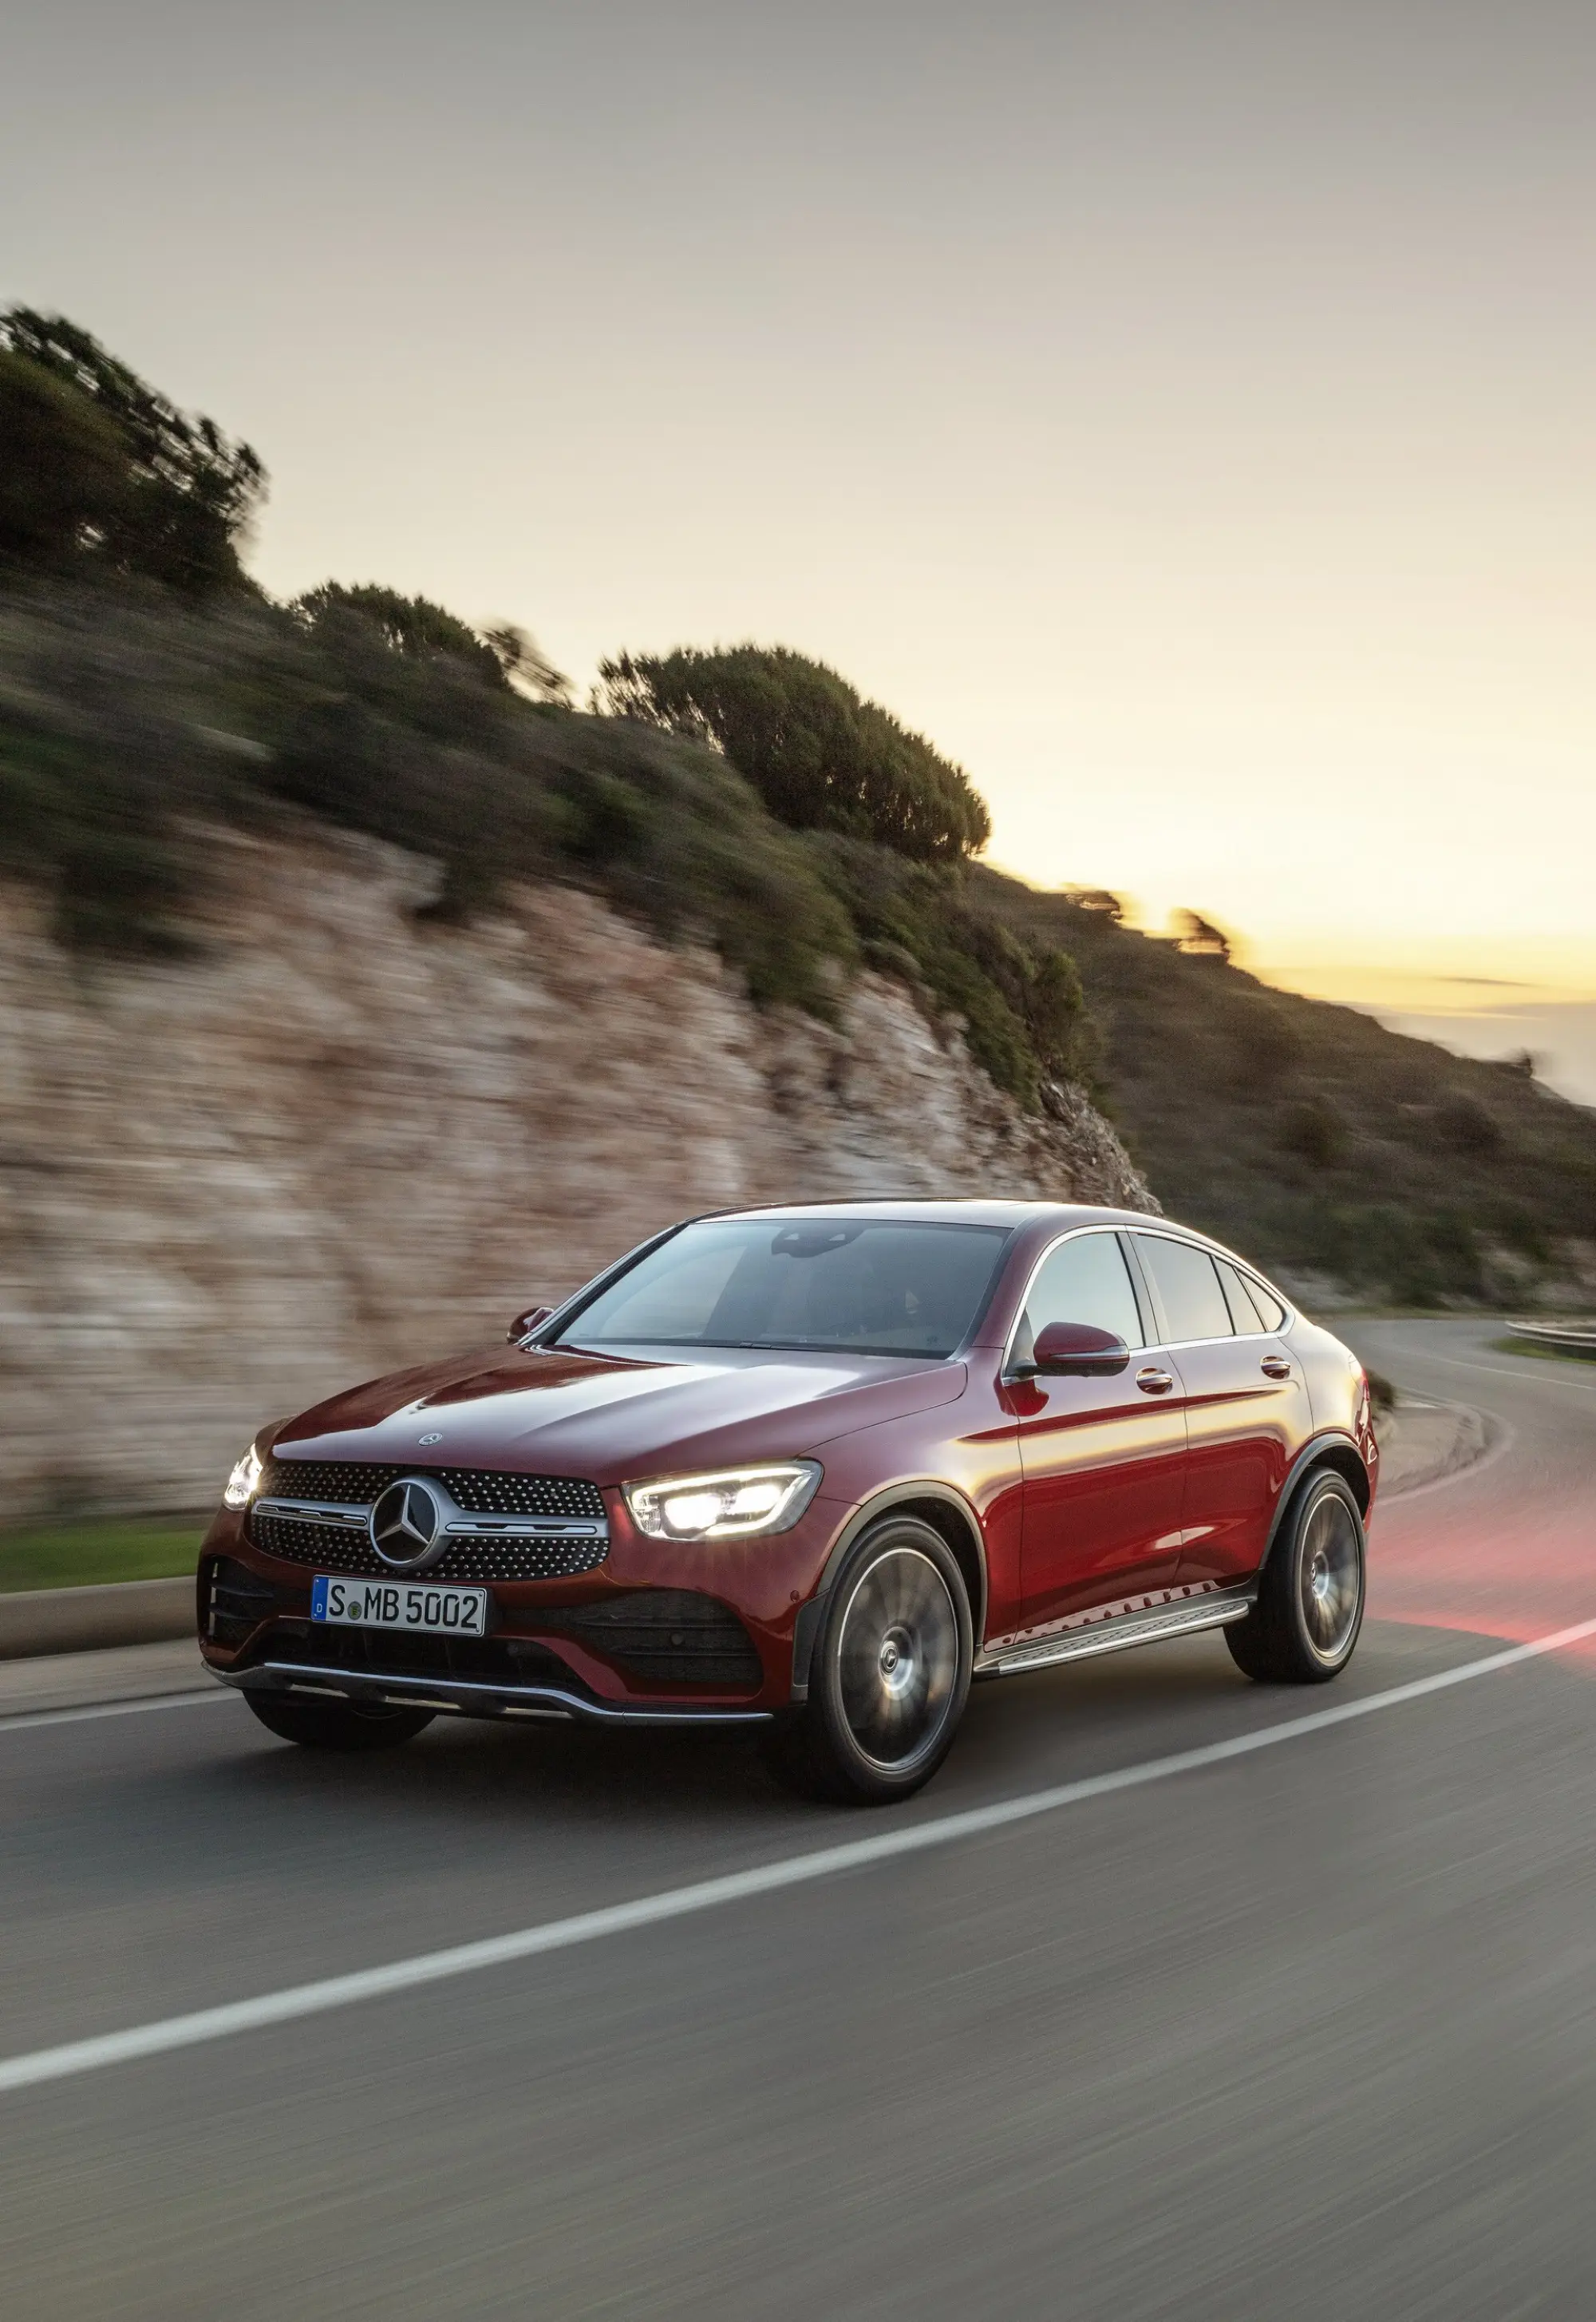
[(479, 1490)]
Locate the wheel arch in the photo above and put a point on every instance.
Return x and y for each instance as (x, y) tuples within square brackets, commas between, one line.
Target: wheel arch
[(1336, 1453), (938, 1505)]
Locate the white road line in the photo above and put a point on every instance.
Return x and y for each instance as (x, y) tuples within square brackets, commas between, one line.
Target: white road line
[(709, 1894), (26, 1721)]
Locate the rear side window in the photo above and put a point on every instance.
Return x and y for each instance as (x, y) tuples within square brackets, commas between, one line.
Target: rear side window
[(1270, 1312), (1084, 1280), (1188, 1286), (1244, 1309)]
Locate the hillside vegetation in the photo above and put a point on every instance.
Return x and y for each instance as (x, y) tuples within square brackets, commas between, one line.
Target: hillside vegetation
[(1310, 1135), (744, 796)]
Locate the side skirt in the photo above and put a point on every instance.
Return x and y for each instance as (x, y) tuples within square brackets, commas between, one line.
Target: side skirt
[(1118, 1634)]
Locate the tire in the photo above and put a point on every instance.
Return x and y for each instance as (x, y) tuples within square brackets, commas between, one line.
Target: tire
[(1310, 1605), (337, 1725), (890, 1675)]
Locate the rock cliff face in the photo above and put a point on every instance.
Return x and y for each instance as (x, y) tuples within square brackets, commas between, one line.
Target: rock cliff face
[(343, 1139)]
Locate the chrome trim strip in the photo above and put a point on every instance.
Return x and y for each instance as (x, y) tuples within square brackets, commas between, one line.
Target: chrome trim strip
[(1119, 1635), (527, 1528), (327, 1512), (444, 1693), (339, 1516)]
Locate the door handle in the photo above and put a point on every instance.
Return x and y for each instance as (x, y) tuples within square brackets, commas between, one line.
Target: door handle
[(1275, 1367), (1154, 1382)]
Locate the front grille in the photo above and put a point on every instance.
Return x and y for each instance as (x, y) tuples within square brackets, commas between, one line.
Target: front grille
[(480, 1491), (339, 1548), (666, 1636)]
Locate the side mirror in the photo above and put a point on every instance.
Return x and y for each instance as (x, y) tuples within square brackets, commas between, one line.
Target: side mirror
[(527, 1321), (1079, 1350)]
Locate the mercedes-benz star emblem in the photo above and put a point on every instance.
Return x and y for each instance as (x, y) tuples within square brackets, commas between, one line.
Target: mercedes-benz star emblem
[(406, 1524)]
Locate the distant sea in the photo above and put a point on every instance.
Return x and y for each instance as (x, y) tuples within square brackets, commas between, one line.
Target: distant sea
[(1559, 1034)]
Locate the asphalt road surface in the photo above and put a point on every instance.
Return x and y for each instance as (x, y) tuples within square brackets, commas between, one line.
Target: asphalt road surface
[(1306, 2031)]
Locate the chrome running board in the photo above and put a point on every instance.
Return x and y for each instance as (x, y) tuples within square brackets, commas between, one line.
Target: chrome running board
[(1117, 1635)]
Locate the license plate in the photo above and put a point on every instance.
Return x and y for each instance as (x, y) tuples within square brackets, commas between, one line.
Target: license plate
[(399, 1604)]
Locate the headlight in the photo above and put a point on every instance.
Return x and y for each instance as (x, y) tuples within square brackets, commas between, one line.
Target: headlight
[(244, 1481), (733, 1506)]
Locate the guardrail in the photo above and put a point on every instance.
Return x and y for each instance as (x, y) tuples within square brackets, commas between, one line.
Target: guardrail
[(91, 1620), (1568, 1337)]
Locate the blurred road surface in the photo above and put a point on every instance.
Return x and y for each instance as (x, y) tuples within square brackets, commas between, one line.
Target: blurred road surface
[(1310, 2032)]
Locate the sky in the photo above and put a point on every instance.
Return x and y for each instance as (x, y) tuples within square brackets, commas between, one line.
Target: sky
[(1182, 414)]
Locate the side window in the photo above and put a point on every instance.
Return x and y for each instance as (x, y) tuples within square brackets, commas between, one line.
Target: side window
[(1084, 1280), (1186, 1282), (1270, 1312), (1243, 1307)]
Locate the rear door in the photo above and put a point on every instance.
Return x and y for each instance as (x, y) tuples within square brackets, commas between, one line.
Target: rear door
[(1246, 1405), (1102, 1458)]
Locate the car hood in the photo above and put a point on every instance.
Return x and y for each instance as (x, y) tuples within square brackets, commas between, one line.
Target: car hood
[(614, 1418)]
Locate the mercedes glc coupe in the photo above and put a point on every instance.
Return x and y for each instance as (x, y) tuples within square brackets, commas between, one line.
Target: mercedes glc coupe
[(815, 1469)]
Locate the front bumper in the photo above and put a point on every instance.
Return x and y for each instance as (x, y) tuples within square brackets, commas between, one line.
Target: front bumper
[(600, 1646), (459, 1697)]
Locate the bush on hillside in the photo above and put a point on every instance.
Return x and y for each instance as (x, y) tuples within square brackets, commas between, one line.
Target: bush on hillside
[(128, 722), (1021, 1004), (820, 757), (99, 471)]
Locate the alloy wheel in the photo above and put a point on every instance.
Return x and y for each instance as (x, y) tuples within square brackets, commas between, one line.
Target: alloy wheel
[(1331, 1577), (898, 1658)]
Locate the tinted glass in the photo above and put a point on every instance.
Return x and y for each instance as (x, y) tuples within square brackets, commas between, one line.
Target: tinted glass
[(1244, 1306), (1270, 1312), (1194, 1304), (875, 1287), (1085, 1280)]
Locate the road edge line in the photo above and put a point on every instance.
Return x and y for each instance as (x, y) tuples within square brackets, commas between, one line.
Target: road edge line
[(165, 2034)]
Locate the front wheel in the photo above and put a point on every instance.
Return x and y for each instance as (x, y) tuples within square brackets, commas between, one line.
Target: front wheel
[(1310, 1605), (891, 1670), (337, 1725)]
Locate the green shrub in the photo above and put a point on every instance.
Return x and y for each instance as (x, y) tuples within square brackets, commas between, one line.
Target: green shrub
[(128, 721), (820, 757)]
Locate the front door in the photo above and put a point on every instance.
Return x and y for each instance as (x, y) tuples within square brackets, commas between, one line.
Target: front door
[(1102, 1458)]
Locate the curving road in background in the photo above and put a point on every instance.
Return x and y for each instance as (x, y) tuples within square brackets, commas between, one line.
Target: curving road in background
[(1300, 2030)]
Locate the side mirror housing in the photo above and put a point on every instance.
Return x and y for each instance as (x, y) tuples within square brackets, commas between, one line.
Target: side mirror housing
[(1079, 1350), (527, 1321)]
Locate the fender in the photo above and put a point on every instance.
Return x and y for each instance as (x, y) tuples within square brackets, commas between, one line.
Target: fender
[(806, 1627), (1335, 1448)]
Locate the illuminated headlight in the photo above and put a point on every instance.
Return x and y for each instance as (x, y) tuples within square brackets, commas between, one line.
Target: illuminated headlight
[(732, 1506), (244, 1481)]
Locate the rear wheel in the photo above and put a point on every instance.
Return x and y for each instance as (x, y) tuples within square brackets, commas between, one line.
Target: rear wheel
[(337, 1725), (891, 1670), (1310, 1605)]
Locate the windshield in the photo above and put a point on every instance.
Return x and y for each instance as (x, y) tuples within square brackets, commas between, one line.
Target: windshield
[(837, 1285)]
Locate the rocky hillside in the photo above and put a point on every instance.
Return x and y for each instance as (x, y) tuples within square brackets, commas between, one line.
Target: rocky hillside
[(343, 1138)]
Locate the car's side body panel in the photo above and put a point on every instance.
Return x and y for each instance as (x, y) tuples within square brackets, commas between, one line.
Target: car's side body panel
[(1104, 1465), (1245, 1429)]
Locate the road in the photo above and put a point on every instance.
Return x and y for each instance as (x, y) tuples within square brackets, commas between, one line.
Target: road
[(1304, 2032)]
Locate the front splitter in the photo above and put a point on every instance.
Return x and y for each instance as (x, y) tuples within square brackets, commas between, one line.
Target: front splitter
[(468, 1697)]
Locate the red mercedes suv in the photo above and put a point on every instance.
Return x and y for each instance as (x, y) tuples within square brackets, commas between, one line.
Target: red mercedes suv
[(814, 1467)]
